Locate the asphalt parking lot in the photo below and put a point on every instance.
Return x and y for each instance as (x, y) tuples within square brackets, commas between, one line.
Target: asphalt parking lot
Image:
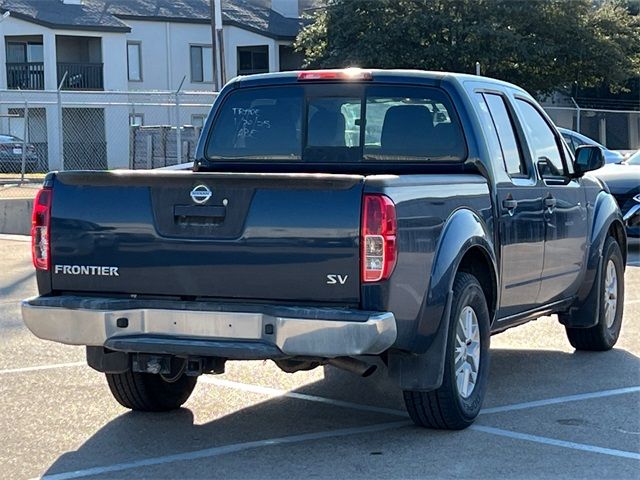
[(550, 412)]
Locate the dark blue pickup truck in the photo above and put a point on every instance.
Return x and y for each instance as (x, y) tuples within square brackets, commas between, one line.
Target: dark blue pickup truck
[(344, 217)]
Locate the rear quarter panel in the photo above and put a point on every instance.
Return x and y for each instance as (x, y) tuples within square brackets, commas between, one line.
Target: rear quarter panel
[(418, 288)]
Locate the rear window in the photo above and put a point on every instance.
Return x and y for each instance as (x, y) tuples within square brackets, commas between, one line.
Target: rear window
[(372, 123)]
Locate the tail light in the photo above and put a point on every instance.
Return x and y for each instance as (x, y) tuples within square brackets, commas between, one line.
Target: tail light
[(378, 238), (40, 229)]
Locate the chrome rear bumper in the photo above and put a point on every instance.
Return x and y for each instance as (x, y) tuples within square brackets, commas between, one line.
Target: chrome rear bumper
[(313, 337)]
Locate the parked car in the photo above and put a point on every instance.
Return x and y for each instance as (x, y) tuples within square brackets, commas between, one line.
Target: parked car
[(305, 237), (11, 155), (623, 181), (633, 159), (575, 139)]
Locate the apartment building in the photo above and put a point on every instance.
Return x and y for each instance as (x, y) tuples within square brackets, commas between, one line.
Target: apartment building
[(93, 48)]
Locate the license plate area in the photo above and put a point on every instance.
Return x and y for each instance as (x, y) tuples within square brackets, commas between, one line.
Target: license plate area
[(191, 324), (222, 217)]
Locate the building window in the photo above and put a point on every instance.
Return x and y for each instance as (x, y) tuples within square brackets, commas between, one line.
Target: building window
[(253, 60), (134, 61), (198, 120), (25, 52), (201, 64), (136, 120), (289, 58)]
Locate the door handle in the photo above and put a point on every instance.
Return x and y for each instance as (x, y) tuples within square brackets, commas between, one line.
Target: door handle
[(509, 203), (550, 203)]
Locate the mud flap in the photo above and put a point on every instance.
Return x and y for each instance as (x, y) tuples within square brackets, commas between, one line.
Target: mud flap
[(585, 314), (423, 372)]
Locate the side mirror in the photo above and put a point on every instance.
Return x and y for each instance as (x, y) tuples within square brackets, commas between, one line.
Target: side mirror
[(588, 158)]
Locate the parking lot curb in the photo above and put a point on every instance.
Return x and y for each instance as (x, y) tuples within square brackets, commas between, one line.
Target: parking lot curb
[(15, 215)]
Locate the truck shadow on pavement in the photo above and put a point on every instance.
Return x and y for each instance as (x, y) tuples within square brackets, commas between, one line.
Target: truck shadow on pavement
[(516, 376)]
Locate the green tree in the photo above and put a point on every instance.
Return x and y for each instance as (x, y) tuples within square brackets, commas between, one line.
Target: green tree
[(540, 45)]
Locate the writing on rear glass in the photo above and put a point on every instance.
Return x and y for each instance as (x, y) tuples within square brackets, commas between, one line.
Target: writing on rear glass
[(248, 122)]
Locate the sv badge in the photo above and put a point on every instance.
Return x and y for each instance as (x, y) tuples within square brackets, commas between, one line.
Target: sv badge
[(337, 279)]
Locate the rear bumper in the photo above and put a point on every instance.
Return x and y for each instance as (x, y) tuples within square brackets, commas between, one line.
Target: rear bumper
[(226, 330)]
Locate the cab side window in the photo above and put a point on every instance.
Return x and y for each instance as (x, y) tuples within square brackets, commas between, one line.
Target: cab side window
[(506, 134), (542, 140), (570, 142)]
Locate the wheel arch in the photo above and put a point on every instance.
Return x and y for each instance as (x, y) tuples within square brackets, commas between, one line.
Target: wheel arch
[(607, 221), (466, 244), (478, 263)]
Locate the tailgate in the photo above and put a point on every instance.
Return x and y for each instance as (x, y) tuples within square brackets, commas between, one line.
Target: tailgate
[(258, 236)]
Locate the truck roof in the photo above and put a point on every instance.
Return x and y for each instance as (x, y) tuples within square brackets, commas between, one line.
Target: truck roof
[(379, 75)]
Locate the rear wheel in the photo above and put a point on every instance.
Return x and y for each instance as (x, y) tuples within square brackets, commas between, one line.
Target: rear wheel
[(604, 335), (457, 402), (148, 392)]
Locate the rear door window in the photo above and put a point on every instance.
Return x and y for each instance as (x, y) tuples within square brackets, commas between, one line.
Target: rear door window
[(506, 134)]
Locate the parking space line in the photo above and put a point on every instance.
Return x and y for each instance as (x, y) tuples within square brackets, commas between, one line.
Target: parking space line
[(42, 367), (565, 399), (15, 238), (554, 442), (275, 392), (225, 449), (632, 302)]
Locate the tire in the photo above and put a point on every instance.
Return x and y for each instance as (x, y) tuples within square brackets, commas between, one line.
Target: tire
[(453, 407), (604, 335), (147, 392)]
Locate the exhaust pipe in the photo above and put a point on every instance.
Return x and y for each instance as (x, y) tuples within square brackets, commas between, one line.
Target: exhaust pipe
[(353, 365)]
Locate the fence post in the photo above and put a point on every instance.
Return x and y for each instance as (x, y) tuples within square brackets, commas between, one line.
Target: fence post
[(60, 124), (178, 131), (577, 114), (25, 130), (150, 151)]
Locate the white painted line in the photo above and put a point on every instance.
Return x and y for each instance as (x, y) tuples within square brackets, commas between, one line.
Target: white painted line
[(15, 238), (274, 392), (632, 302), (223, 450), (556, 400), (42, 367), (555, 443)]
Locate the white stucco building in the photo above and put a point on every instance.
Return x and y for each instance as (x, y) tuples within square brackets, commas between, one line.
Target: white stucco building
[(92, 48)]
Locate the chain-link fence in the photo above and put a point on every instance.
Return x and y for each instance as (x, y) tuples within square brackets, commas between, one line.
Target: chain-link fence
[(43, 131), (49, 130)]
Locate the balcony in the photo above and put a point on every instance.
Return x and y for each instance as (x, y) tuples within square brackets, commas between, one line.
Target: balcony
[(81, 76), (25, 76)]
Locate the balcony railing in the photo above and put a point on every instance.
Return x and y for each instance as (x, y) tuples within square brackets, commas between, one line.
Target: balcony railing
[(81, 76), (25, 76)]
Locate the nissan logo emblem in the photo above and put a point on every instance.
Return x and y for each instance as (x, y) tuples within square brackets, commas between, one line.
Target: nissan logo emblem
[(200, 194)]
